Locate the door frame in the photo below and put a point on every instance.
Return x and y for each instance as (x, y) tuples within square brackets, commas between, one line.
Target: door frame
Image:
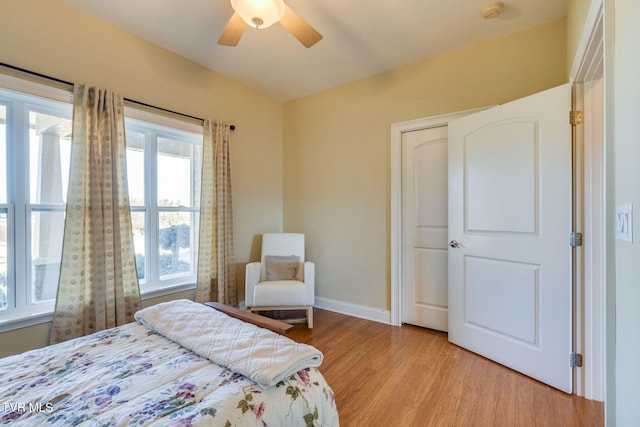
[(586, 76)]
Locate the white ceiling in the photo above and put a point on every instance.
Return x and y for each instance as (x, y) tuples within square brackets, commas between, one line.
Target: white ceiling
[(361, 37)]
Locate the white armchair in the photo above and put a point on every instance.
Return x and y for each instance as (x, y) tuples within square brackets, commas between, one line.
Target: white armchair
[(282, 280)]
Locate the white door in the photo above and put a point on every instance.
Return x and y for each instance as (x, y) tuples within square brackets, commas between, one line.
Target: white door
[(510, 208), (424, 228)]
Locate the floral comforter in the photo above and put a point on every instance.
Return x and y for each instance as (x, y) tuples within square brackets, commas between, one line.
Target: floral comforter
[(130, 375)]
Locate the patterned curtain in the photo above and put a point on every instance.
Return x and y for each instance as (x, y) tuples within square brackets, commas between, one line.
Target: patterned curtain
[(216, 260), (98, 286)]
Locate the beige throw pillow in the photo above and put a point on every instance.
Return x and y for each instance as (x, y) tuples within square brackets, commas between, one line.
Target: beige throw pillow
[(281, 267)]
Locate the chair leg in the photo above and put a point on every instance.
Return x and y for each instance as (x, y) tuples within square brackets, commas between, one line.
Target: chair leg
[(310, 317)]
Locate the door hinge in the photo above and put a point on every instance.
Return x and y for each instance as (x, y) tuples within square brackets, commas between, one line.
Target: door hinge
[(575, 360), (575, 117), (575, 239)]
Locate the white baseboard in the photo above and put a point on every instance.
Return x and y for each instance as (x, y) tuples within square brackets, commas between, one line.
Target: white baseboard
[(355, 310), (361, 311)]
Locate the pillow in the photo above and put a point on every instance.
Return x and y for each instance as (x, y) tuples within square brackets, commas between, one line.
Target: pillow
[(281, 267)]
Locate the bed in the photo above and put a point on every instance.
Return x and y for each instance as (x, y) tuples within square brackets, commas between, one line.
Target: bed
[(180, 364)]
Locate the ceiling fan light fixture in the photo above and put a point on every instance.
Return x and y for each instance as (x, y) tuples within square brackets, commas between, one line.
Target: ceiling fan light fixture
[(259, 13)]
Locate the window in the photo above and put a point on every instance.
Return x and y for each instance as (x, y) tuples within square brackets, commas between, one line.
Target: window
[(163, 166), (163, 172), (35, 142), (4, 209)]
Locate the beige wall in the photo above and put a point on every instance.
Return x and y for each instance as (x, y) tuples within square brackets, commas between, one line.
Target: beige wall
[(53, 39), (337, 149), (578, 11)]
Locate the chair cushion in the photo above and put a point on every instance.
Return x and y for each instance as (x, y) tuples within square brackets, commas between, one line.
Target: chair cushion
[(279, 292), (281, 267)]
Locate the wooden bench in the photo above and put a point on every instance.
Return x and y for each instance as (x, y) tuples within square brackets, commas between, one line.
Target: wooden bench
[(264, 322)]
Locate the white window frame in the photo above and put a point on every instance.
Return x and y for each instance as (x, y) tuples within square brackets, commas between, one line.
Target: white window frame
[(163, 126), (20, 311)]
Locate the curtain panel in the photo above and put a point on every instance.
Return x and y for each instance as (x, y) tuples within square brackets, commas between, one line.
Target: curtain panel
[(98, 287), (216, 259)]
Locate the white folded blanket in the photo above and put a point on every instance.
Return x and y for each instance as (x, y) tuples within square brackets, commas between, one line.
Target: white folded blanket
[(256, 353)]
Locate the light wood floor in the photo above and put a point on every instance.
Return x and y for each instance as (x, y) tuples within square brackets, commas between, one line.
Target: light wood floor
[(383, 375)]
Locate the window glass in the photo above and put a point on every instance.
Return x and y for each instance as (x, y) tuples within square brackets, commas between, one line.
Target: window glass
[(139, 242), (175, 172), (135, 166), (49, 156), (3, 154), (176, 243), (49, 160), (47, 229), (164, 174), (3, 209), (3, 259)]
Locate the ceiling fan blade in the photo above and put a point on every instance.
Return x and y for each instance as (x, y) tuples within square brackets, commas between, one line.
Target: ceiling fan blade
[(300, 29), (233, 31)]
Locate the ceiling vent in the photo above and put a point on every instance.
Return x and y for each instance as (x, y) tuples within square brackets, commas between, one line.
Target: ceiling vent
[(492, 10)]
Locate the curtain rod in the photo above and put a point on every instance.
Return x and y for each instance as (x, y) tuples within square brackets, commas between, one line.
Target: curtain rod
[(133, 101)]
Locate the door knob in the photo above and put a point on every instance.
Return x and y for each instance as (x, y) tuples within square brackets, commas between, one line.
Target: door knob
[(454, 244)]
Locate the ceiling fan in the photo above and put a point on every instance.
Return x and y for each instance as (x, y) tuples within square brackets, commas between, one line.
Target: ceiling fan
[(262, 14)]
